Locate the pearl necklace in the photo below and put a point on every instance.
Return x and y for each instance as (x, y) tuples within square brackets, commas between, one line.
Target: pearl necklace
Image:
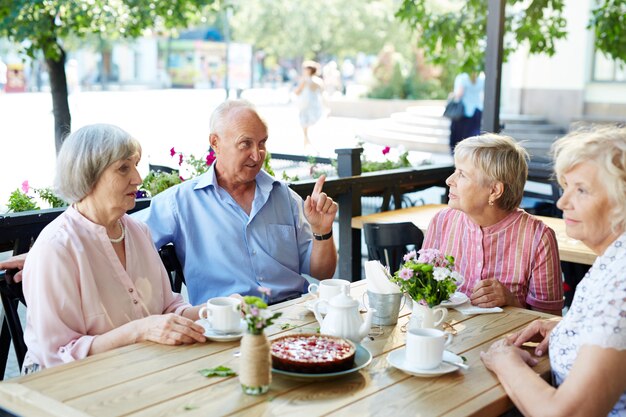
[(119, 239)]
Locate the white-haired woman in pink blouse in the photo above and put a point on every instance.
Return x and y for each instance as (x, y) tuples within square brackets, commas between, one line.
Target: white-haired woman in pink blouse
[(93, 280), (506, 256)]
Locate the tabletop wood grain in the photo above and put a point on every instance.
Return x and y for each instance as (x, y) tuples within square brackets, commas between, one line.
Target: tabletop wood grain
[(148, 379)]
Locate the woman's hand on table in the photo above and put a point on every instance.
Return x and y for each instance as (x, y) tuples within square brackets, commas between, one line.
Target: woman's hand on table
[(169, 329), (489, 293), (502, 353), (537, 331)]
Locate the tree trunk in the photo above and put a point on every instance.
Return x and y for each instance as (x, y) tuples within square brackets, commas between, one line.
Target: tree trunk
[(60, 106)]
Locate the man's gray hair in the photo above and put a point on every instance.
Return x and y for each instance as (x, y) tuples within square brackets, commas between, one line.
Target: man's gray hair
[(84, 156), (221, 112)]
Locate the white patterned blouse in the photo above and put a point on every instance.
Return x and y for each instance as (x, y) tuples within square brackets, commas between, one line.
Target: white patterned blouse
[(597, 315)]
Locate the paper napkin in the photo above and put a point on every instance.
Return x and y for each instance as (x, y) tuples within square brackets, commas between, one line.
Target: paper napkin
[(378, 279)]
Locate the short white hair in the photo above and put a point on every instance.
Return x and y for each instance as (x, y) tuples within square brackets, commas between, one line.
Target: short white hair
[(605, 146), (85, 155), (221, 112), (499, 158)]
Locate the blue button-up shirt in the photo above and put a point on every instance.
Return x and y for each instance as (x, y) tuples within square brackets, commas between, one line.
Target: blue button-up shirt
[(224, 250)]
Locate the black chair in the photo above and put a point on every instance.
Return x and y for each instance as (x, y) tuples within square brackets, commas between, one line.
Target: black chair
[(173, 266), (11, 295), (387, 242)]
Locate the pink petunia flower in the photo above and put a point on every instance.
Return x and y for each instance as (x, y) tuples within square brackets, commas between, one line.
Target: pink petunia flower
[(210, 158), (172, 152), (25, 187), (265, 291), (386, 150), (180, 159)]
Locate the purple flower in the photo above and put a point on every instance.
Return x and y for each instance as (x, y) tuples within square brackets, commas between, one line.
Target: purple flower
[(265, 291), (386, 150), (427, 256), (25, 187), (406, 274), (254, 311), (409, 256), (172, 152), (141, 194)]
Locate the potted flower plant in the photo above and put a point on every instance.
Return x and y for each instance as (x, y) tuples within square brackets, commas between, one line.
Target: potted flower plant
[(255, 371), (428, 278)]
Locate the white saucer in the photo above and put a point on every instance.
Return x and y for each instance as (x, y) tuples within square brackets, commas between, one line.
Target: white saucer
[(216, 336), (397, 360), (455, 299)]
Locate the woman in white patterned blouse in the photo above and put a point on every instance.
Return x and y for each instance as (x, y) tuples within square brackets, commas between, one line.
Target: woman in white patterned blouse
[(587, 347)]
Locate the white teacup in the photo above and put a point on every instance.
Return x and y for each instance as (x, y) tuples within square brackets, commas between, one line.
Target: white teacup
[(328, 288), (424, 347), (223, 314)]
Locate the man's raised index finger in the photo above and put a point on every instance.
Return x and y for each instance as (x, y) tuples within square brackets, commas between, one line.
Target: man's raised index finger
[(319, 184)]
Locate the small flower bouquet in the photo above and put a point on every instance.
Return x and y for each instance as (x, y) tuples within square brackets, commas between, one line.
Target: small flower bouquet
[(256, 314), (428, 278), (255, 374)]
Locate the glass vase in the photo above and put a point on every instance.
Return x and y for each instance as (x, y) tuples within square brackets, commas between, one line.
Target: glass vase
[(255, 373)]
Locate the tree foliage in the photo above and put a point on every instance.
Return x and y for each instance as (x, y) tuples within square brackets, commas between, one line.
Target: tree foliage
[(608, 21), (457, 37), (314, 29), (43, 25)]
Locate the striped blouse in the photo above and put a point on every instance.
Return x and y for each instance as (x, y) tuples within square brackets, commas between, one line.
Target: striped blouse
[(520, 251)]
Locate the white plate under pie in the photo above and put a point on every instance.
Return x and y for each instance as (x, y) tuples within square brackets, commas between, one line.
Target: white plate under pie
[(397, 359), (218, 336)]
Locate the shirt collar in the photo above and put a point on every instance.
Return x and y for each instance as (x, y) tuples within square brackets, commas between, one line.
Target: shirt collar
[(263, 180), (494, 228)]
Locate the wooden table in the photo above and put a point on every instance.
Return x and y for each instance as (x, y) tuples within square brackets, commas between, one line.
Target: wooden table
[(147, 379), (570, 250)]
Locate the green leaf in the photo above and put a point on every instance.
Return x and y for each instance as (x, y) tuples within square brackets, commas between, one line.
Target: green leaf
[(218, 371)]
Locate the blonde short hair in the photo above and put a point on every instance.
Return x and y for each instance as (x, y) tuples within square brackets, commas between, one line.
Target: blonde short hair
[(604, 146), (85, 155), (500, 159)]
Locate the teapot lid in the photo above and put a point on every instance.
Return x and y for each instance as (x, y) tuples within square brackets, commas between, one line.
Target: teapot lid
[(343, 299)]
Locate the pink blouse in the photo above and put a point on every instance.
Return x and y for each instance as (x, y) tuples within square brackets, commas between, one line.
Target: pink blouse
[(76, 288), (520, 251)]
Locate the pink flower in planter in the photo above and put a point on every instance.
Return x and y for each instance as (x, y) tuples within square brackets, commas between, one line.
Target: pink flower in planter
[(210, 158), (172, 152), (25, 187), (180, 159), (386, 150)]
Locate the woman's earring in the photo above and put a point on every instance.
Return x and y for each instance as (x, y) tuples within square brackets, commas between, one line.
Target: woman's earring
[(491, 202)]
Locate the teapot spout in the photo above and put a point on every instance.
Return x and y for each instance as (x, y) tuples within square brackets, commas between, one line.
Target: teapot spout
[(367, 324)]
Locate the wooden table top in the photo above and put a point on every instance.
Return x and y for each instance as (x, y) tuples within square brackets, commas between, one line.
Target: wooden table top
[(570, 250), (148, 379)]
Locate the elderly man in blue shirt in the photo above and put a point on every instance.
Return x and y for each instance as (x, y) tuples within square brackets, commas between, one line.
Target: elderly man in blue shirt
[(235, 228)]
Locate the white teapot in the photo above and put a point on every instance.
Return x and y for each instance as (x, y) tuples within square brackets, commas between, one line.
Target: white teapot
[(343, 318)]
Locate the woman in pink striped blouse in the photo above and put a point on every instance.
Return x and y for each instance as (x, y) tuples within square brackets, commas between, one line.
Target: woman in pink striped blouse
[(506, 256)]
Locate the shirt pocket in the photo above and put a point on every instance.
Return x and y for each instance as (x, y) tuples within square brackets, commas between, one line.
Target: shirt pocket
[(283, 245)]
